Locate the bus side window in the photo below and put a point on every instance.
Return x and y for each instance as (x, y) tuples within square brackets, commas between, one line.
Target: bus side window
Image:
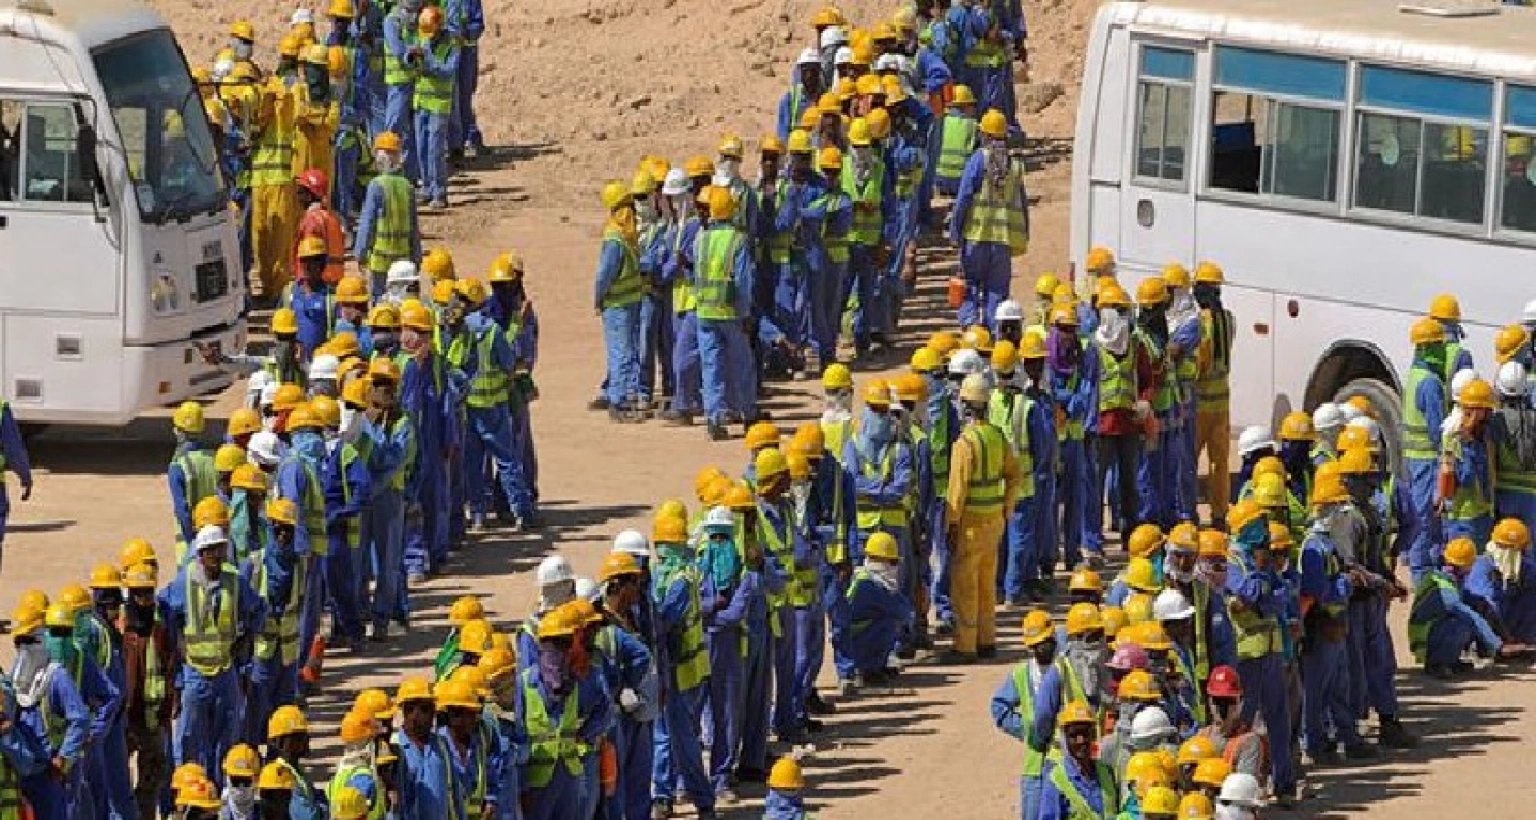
[(10, 149), (1235, 151), (1517, 209), (50, 169), (1163, 113), (1264, 140)]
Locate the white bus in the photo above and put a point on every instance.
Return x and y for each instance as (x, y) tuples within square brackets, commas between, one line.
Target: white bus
[(1344, 161), (117, 244)]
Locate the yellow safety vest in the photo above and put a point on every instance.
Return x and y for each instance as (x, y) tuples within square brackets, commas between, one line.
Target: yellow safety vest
[(490, 385), (867, 222), (208, 642), (1117, 380), (312, 508), (1473, 500), (1078, 808), (550, 742), (1212, 388), (1012, 419), (344, 776), (1257, 635), (836, 245), (777, 545), (997, 212), (682, 293), (1418, 439), (392, 230), (1162, 400), (959, 142), (272, 161), (198, 475), (154, 680), (278, 632), (986, 492), (628, 288), (714, 268), (396, 70), (692, 661), (870, 516), (434, 95), (349, 456)]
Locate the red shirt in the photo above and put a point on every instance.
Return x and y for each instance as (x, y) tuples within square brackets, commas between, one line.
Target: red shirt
[(319, 221)]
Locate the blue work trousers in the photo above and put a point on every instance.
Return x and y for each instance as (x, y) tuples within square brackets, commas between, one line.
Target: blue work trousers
[(810, 650), (426, 543), (939, 563), (490, 432), (621, 339), (397, 118), (272, 684), (784, 722), (1047, 527), (729, 377), (1263, 680), (387, 556), (757, 674), (656, 343), (988, 267), (825, 295), (344, 192), (114, 757), (1448, 638), (210, 711), (1325, 676), (1018, 555), (312, 603), (1372, 661), (432, 147), (1029, 795), (1152, 486), (465, 130), (791, 302), (635, 750), (341, 574), (1187, 469), (1424, 547), (835, 592), (687, 365), (678, 753), (52, 800), (562, 798), (727, 704), (1073, 489), (862, 280)]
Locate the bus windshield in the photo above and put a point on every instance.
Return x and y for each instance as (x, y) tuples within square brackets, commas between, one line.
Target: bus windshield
[(159, 115)]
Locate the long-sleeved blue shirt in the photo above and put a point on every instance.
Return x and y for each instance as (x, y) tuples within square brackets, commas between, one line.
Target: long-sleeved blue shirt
[(743, 271), (176, 479), (439, 63), (14, 450), (426, 785), (399, 33), (876, 486), (1047, 701), (348, 488), (1325, 588), (172, 601), (370, 215), (970, 183), (1429, 398), (65, 702), (1262, 591), (1440, 603), (1055, 806), (293, 482)]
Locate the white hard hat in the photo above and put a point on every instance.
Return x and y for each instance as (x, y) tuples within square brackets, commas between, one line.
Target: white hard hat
[(632, 542), (301, 15), (264, 449), (324, 366), (259, 381), (1369, 425), (1528, 315), (1240, 789), (1327, 416), (809, 56), (966, 362), (887, 62), (834, 36), (675, 183), (1008, 311), (210, 536), (587, 589), (1512, 380), (402, 272), (720, 517), (268, 394), (553, 570), (1459, 382), (844, 55), (1151, 723), (1253, 439), (1171, 605)]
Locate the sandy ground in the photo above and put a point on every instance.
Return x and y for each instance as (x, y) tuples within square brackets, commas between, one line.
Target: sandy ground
[(573, 92)]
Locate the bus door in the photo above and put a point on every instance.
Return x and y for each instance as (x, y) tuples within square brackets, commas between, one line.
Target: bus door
[(1158, 206)]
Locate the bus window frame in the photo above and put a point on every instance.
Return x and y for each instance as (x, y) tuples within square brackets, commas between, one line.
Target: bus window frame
[(1504, 130), (19, 202), (1197, 51)]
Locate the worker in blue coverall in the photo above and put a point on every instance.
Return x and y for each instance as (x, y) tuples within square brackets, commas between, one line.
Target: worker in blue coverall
[(804, 91), (917, 573), (1505, 577), (393, 453), (618, 291), (98, 639), (427, 789), (620, 661), (555, 780), (905, 161), (825, 220), (23, 754), (879, 462), (1040, 553), (57, 741), (865, 180), (352, 133), (467, 22), (1442, 624), (298, 480), (95, 664), (402, 59), (784, 546), (275, 573), (1072, 369), (1027, 702), (675, 260), (944, 427), (1446, 310), (683, 665), (1466, 478), (989, 222), (377, 215), (487, 362), (511, 309), (722, 284), (811, 514), (1009, 411), (1155, 482), (428, 397), (13, 457), (877, 611), (727, 600), (472, 751), (630, 673), (993, 31), (348, 493), (1184, 331), (656, 307), (784, 239), (1257, 601), (1424, 406), (1076, 773), (213, 620), (433, 101), (1325, 594), (191, 475), (313, 305)]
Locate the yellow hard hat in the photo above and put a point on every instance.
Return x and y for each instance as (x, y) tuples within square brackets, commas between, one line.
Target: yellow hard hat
[(618, 564), (1084, 617), (475, 636), (1075, 711), (1477, 395), (352, 290), (388, 141), (106, 576), (326, 410), (762, 434), (276, 776), (977, 338), (1426, 331), (1356, 438), (699, 166), (1196, 749), (288, 46), (1141, 576), (1196, 806), (188, 417), (1327, 486), (1209, 273), (557, 624), (248, 477), (340, 8), (1032, 346), (1512, 533), (877, 393), (1269, 492), (437, 263), (1085, 580), (317, 54), (946, 342), (642, 184), (868, 85), (799, 465), (1509, 341), (198, 794), (786, 775), (74, 597), (879, 121), (1242, 514), (1211, 771), (59, 616), (1461, 553), (1297, 426), (616, 195), (464, 609), (311, 247), (731, 146), (994, 124), (1114, 296), (1138, 685), (374, 702), (228, 457), (473, 677), (925, 359), (1445, 308), (1046, 284), (894, 93), (303, 418), (413, 689), (669, 530), (1145, 540), (836, 377), (210, 511), (1356, 462), (140, 576), (26, 619), (242, 761), (883, 546), (506, 267), (137, 551), (770, 462), (500, 661), (416, 316), (738, 497), (349, 804), (285, 721), (1175, 275), (1037, 627), (962, 96), (384, 316), (243, 30), (1280, 538), (830, 158), (1005, 357), (282, 511), (858, 132), (1151, 291), (674, 507), (722, 205), (910, 388), (1064, 315), (1152, 637), (1184, 535), (244, 421), (1159, 800)]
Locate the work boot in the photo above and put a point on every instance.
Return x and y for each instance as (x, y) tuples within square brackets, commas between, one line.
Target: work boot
[(945, 629), (816, 706), (906, 653), (717, 431), (1361, 751), (847, 688), (813, 726), (1440, 672), (1326, 756), (727, 796), (599, 403), (661, 810), (1393, 735)]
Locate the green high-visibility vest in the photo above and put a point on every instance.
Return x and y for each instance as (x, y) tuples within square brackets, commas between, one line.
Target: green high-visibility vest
[(682, 293), (489, 385), (955, 149), (871, 516), (199, 476), (778, 546), (1472, 500), (985, 54), (1420, 619), (1012, 418), (1212, 385), (866, 222), (836, 245), (1034, 761), (1078, 808), (997, 212), (714, 266), (345, 774), (1418, 439), (434, 95), (208, 642), (396, 70), (1117, 381), (392, 230), (1257, 635), (272, 161), (312, 508), (628, 287), (779, 243), (549, 742), (281, 632), (1452, 351), (691, 661), (939, 447), (1162, 400), (1514, 476), (349, 456), (986, 492)]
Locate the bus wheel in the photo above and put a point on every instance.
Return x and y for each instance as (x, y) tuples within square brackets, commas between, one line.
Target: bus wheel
[(1388, 407)]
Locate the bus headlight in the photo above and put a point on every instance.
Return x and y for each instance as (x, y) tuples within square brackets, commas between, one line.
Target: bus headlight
[(164, 296)]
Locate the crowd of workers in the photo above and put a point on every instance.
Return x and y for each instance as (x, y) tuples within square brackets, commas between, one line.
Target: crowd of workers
[(391, 417), (363, 126)]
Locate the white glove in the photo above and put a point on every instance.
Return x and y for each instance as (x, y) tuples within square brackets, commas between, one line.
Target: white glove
[(1143, 409), (630, 700)]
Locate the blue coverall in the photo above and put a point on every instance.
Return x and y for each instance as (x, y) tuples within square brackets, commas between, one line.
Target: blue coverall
[(489, 430), (313, 308), (904, 156), (1183, 468), (1263, 677), (525, 353), (625, 663), (1076, 392), (621, 328), (353, 136), (1455, 625), (729, 377), (655, 312), (426, 785), (1473, 464), (1006, 715), (50, 799), (678, 752), (726, 611), (464, 132), (826, 217), (862, 277), (784, 216), (943, 422), (25, 754), (793, 104), (1053, 804), (432, 129), (367, 221), (686, 363), (1325, 658), (176, 478), (988, 266), (399, 37), (348, 490), (783, 805), (876, 616), (1515, 601), (1423, 552), (810, 620), (427, 395), (14, 452), (104, 779), (564, 797), (474, 773), (392, 459), (272, 682), (304, 464), (1030, 538)]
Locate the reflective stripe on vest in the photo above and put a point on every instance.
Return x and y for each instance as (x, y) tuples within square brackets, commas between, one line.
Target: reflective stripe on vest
[(714, 267), (1418, 439), (198, 476), (549, 742), (997, 213), (683, 299), (349, 456), (154, 680), (691, 661), (866, 223), (489, 385), (1514, 476), (1012, 418), (836, 245), (959, 142), (939, 447), (779, 243), (1257, 635), (1034, 761), (281, 632), (1162, 400), (344, 776), (986, 492), (1078, 807), (434, 95), (272, 161), (396, 70), (312, 508), (1420, 620), (871, 516), (392, 230), (1212, 387), (777, 546), (1117, 381), (1472, 499), (628, 287), (208, 642)]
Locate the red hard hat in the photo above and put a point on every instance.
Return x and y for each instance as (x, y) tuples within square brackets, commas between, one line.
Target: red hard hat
[(314, 181), (1224, 683)]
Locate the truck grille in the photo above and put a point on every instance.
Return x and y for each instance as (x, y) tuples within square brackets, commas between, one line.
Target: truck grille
[(212, 280)]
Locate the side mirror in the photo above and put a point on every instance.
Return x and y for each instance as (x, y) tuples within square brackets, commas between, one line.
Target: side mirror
[(85, 150)]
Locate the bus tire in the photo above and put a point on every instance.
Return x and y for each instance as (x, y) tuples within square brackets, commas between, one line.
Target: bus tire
[(1388, 406)]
